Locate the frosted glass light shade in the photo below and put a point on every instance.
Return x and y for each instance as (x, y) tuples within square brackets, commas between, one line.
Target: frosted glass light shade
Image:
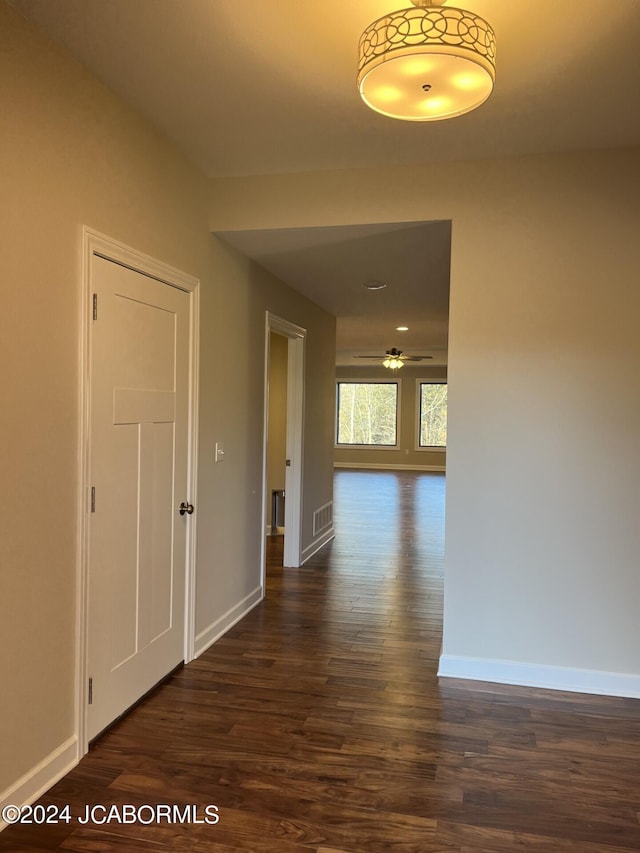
[(393, 363), (426, 64)]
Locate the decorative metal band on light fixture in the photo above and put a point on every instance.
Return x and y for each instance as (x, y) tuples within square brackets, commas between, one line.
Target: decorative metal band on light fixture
[(411, 28), (426, 63)]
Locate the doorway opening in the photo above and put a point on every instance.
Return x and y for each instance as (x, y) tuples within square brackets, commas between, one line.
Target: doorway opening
[(277, 434), (282, 451)]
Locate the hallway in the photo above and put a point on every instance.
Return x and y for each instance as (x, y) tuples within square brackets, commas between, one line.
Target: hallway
[(318, 724)]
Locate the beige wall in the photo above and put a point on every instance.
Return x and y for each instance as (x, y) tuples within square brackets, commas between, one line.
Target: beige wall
[(231, 410), (543, 463), (71, 154), (406, 455)]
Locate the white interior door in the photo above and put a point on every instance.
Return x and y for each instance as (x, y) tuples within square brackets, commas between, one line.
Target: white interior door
[(139, 444)]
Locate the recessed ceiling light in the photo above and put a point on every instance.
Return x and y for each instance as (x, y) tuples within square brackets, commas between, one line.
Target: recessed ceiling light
[(374, 285), (402, 328)]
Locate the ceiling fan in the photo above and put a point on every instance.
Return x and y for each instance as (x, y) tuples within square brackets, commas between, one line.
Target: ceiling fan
[(394, 358)]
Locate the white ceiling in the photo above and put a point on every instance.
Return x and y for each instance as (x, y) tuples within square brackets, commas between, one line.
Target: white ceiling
[(255, 87), (266, 86), (331, 265)]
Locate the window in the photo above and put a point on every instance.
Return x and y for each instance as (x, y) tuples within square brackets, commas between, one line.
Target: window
[(432, 398), (367, 414)]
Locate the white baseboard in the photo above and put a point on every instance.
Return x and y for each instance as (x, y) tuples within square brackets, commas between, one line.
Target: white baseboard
[(534, 675), (384, 466), (208, 637), (40, 778), (317, 543)]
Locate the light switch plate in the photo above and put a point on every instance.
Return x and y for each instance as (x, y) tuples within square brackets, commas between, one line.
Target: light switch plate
[(219, 451)]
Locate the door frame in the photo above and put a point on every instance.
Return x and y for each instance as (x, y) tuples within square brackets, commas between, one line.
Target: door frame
[(295, 424), (95, 243)]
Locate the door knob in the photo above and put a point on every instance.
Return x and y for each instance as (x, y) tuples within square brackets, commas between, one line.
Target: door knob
[(186, 507)]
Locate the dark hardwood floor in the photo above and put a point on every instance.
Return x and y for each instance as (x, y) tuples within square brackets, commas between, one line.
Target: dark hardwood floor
[(318, 723)]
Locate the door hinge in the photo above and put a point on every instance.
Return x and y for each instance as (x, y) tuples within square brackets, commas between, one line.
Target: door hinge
[(95, 306), (93, 498), (91, 691)]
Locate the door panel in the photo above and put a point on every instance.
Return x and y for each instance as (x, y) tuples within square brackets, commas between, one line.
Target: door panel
[(139, 445), (155, 521)]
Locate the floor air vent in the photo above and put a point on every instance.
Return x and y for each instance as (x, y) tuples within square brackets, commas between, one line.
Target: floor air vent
[(323, 518)]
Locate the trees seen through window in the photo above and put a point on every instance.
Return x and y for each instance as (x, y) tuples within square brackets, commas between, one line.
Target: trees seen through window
[(433, 414), (367, 413)]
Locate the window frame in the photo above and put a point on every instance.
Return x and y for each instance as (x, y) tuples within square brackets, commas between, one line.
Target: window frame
[(432, 448), (348, 381)]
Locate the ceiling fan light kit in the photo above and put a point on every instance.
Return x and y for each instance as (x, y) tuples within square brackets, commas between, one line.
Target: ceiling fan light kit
[(394, 359), (426, 63), (396, 355)]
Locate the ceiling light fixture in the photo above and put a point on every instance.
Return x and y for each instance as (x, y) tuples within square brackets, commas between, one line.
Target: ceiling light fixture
[(393, 360), (426, 63), (374, 285), (402, 328)]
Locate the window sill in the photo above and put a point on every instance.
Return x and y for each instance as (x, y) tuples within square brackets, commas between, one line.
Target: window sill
[(366, 447)]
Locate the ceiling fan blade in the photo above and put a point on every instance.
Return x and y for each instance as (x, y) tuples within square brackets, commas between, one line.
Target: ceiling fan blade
[(402, 357), (415, 357)]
